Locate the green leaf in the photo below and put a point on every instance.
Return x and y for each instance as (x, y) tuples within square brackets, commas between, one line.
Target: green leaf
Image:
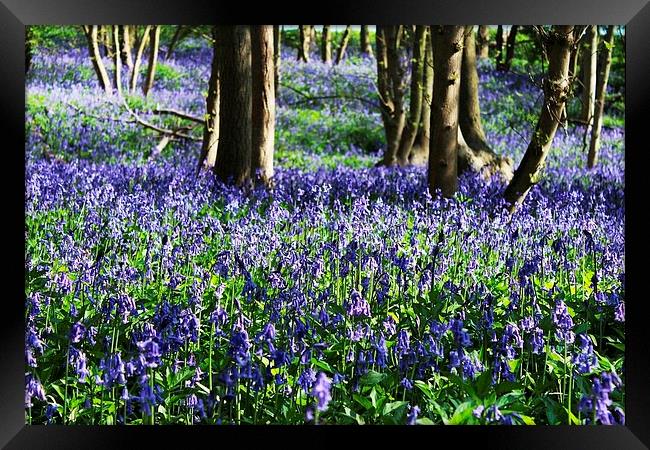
[(393, 406), (508, 386), (362, 401), (424, 421), (371, 378), (462, 414), (483, 383)]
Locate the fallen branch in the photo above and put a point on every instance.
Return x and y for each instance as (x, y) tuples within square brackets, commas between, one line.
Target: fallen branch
[(309, 98), (181, 114)]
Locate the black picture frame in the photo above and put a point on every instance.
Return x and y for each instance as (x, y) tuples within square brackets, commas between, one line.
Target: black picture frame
[(15, 14)]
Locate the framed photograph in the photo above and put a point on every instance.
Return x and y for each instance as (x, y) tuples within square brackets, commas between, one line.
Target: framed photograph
[(238, 227)]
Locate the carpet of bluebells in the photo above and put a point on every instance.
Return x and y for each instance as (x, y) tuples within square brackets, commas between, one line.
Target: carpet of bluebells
[(345, 295)]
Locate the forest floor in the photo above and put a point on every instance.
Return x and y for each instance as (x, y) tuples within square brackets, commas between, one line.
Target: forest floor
[(345, 295)]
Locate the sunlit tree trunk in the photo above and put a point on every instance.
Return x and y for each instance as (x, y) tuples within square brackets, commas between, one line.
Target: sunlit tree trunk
[(326, 45), (117, 60), (126, 46), (142, 44), (510, 49), (420, 152), (483, 42), (304, 44), (277, 57), (340, 54), (211, 127), (559, 42), (364, 37), (589, 75), (95, 57), (263, 102), (233, 161), (601, 90), (409, 133), (443, 156), (390, 83), (154, 44)]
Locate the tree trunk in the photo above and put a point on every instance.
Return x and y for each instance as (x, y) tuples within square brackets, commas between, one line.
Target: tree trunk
[(277, 47), (154, 41), (326, 45), (176, 38), (443, 158), (390, 82), (499, 46), (589, 70), (556, 89), (117, 60), (304, 44), (93, 49), (340, 54), (211, 127), (415, 107), (366, 48), (601, 90), (126, 46), (233, 161), (263, 99), (420, 152), (478, 157), (483, 42), (105, 40), (135, 72), (510, 49)]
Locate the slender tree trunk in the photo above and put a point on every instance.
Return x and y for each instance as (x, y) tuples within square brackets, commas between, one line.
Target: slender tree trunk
[(559, 43), (175, 40), (390, 81), (601, 91), (340, 54), (277, 56), (421, 151), (126, 46), (233, 162), (589, 75), (304, 44), (117, 61), (154, 41), (211, 127), (415, 107), (326, 45), (105, 40), (499, 46), (478, 155), (483, 42), (135, 72), (510, 48), (443, 158), (93, 49), (263, 99), (366, 48)]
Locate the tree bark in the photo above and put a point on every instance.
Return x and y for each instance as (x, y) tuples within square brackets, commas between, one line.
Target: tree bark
[(483, 42), (601, 91), (211, 126), (117, 60), (499, 46), (366, 48), (409, 133), (135, 72), (233, 161), (589, 75), (478, 156), (304, 44), (390, 83), (154, 44), (510, 49), (95, 57), (179, 34), (420, 152), (443, 158), (340, 54), (559, 43), (277, 56), (263, 102), (326, 45), (126, 46)]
